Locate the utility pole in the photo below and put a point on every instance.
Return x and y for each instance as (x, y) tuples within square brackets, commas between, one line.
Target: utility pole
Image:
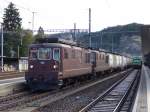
[(112, 49), (101, 40), (33, 13), (75, 39), (90, 43), (2, 39), (18, 52)]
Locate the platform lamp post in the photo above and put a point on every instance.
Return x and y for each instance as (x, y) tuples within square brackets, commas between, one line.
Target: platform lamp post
[(2, 39)]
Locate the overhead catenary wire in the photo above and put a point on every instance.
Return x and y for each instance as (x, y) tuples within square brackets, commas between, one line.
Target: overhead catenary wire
[(82, 42), (53, 30)]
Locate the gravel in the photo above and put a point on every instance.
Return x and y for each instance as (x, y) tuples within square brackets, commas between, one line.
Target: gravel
[(75, 102)]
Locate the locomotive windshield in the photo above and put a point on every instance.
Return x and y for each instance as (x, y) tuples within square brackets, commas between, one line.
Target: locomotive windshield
[(44, 53), (40, 53)]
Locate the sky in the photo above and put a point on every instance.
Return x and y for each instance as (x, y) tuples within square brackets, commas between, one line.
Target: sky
[(62, 14)]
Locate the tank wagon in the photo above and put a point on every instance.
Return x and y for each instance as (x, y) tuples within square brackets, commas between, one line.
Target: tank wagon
[(53, 63)]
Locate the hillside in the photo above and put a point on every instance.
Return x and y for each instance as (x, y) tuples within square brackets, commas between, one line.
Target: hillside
[(123, 39)]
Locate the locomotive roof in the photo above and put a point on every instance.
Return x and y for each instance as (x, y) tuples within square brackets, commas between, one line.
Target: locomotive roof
[(54, 45), (56, 40), (70, 46)]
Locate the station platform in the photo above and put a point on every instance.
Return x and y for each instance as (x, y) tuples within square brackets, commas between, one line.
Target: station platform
[(8, 86), (12, 81), (11, 75), (142, 101)]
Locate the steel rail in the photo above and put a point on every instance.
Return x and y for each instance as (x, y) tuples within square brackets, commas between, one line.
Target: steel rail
[(120, 104), (103, 95), (34, 97)]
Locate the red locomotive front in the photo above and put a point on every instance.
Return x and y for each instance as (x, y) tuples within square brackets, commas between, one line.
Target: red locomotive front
[(44, 67)]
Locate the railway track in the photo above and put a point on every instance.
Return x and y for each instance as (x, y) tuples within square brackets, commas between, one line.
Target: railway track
[(27, 99), (71, 102), (118, 98), (7, 98), (19, 99)]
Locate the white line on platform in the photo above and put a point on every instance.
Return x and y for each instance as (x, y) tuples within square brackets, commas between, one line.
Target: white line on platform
[(12, 80)]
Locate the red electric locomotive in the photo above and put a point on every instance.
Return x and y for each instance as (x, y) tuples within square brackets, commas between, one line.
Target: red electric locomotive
[(52, 63)]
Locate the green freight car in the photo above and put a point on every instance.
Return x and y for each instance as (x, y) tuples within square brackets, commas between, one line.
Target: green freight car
[(137, 62)]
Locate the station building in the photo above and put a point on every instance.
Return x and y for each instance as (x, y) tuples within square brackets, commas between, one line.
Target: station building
[(15, 64)]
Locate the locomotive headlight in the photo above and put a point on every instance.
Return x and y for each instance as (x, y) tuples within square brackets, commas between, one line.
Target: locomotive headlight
[(31, 66), (55, 66)]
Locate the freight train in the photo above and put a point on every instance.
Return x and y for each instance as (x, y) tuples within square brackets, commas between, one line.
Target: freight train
[(54, 62)]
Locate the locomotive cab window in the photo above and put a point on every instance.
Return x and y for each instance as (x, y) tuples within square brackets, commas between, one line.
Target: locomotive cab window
[(56, 54), (33, 53), (44, 53)]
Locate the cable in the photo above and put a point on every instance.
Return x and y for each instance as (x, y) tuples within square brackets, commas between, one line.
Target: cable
[(55, 30)]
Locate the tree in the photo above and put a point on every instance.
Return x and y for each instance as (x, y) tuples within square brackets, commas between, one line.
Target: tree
[(27, 39), (40, 33), (12, 29), (11, 18)]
